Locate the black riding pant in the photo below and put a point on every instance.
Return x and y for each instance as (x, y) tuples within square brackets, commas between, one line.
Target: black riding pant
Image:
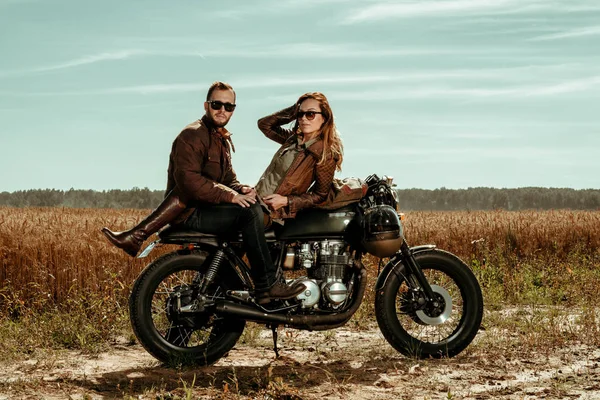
[(223, 219)]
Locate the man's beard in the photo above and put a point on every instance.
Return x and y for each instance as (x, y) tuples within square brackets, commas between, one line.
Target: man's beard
[(217, 124)]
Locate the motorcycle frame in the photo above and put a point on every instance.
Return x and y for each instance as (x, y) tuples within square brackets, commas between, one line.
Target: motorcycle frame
[(402, 264)]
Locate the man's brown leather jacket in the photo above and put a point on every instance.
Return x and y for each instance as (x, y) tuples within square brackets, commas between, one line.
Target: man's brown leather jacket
[(305, 172), (200, 165)]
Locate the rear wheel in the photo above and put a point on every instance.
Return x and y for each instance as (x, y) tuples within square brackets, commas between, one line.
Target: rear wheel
[(441, 328), (160, 309)]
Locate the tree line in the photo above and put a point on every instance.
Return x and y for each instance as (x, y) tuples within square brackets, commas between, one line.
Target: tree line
[(134, 198), (484, 198), (480, 198)]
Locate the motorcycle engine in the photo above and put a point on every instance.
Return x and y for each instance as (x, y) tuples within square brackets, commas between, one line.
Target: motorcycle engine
[(326, 263)]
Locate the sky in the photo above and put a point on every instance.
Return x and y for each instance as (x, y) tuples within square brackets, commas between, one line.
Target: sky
[(436, 93)]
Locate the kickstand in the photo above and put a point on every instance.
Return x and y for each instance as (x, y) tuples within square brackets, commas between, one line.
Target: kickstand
[(274, 329)]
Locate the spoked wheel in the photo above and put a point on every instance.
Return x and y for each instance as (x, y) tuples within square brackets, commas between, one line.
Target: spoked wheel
[(440, 328), (168, 319)]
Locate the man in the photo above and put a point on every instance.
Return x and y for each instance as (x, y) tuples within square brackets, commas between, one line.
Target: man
[(200, 174)]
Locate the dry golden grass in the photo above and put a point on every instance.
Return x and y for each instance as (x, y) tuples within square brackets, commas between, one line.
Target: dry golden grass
[(51, 255), (523, 234), (63, 286)]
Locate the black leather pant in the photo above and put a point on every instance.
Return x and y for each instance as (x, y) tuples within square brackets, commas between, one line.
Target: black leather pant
[(225, 218)]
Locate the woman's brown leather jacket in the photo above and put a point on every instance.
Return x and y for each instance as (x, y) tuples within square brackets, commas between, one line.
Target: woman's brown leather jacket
[(305, 172)]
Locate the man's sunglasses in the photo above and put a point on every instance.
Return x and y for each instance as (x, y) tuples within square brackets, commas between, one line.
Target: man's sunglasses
[(310, 115), (216, 105)]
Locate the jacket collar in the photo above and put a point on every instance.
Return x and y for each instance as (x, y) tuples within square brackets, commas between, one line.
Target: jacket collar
[(316, 148), (223, 134)]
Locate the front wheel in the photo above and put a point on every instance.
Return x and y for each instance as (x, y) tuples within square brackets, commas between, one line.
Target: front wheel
[(160, 304), (442, 328)]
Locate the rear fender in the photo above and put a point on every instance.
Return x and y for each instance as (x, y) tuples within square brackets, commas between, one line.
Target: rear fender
[(396, 265), (144, 253), (206, 246)]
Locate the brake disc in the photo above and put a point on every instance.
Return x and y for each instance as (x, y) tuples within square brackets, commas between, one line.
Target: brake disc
[(443, 314)]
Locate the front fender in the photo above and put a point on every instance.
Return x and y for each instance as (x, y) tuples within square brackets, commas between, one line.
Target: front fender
[(396, 266)]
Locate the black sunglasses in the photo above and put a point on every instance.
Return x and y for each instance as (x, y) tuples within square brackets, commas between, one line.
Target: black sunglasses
[(310, 115), (216, 105)]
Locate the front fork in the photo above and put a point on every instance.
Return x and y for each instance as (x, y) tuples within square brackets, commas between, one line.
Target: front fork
[(415, 276)]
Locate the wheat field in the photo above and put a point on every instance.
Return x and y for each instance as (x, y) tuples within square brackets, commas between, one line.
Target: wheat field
[(52, 255)]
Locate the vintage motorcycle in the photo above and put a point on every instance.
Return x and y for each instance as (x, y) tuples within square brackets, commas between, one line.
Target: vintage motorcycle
[(191, 306)]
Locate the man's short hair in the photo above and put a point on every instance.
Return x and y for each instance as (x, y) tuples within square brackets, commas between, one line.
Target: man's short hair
[(218, 86)]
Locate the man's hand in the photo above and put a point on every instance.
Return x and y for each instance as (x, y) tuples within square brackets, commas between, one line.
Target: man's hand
[(243, 200), (248, 190), (276, 201)]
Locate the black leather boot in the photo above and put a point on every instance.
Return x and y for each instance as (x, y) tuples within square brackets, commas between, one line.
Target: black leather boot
[(131, 241)]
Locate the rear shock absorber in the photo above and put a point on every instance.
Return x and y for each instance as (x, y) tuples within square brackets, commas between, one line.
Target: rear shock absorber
[(212, 271)]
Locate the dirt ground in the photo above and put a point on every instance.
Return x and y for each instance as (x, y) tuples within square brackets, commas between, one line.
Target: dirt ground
[(339, 364)]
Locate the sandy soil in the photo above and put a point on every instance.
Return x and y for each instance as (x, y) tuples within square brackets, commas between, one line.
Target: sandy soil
[(337, 364)]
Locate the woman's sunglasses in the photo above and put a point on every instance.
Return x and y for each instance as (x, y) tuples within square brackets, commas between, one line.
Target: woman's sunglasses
[(310, 115), (216, 105)]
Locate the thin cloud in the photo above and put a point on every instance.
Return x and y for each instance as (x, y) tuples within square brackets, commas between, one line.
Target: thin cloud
[(272, 7), (488, 21), (17, 2), (178, 47), (491, 123), (157, 88), (413, 82), (567, 87), (482, 152), (91, 59), (338, 50), (452, 8), (506, 74), (461, 93), (432, 8), (476, 136), (293, 51), (572, 33), (78, 62), (515, 31)]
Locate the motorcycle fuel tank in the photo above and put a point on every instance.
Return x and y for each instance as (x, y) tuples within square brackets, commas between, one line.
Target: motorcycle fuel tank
[(316, 223)]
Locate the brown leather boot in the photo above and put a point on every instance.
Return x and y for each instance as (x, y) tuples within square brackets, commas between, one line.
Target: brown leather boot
[(279, 291), (130, 241)]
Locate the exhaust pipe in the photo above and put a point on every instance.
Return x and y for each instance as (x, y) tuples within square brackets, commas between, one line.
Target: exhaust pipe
[(249, 313), (310, 322)]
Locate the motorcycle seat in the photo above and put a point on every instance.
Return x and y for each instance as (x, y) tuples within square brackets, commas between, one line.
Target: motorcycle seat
[(181, 235)]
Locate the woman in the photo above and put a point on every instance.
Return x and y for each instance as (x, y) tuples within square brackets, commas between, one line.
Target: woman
[(309, 155)]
